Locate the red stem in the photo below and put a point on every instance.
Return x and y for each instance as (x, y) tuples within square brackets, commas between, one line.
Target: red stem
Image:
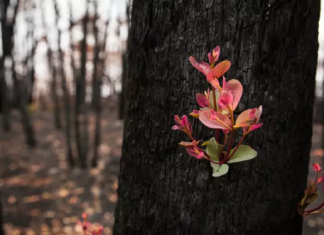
[(225, 141), (217, 135), (315, 209), (238, 145), (230, 145), (215, 108), (211, 160)]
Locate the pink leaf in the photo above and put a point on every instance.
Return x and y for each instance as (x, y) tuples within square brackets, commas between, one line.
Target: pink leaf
[(213, 56), (186, 144), (184, 121), (215, 120), (219, 70), (226, 100), (210, 58), (256, 126), (214, 83), (202, 100), (176, 127), (201, 66), (177, 119), (244, 118), (317, 167), (195, 152), (258, 112), (236, 88)]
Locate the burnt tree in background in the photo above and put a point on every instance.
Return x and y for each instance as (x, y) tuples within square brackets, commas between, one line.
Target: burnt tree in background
[(20, 91), (6, 34), (30, 60), (52, 73), (273, 48), (66, 95), (96, 88), (81, 119)]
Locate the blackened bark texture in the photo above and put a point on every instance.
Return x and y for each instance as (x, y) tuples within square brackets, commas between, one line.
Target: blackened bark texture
[(66, 95), (273, 48), (96, 90), (81, 120)]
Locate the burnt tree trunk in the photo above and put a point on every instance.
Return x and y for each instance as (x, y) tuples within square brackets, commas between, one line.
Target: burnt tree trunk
[(81, 120), (66, 96), (52, 71), (20, 91), (22, 107), (124, 67), (273, 49), (56, 106), (6, 34), (95, 59), (96, 90), (30, 78)]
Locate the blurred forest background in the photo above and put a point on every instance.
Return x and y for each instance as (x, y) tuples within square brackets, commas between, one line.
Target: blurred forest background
[(62, 67), (61, 71)]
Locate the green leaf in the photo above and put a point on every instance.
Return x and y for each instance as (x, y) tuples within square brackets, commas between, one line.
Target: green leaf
[(211, 98), (243, 153), (312, 198), (219, 170), (205, 143), (214, 149)]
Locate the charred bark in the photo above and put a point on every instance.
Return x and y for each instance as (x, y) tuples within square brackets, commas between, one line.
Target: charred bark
[(162, 190)]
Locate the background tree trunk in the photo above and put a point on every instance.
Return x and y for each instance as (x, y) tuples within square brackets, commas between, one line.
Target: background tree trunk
[(22, 107), (81, 120), (96, 89), (66, 95), (273, 49), (52, 72), (6, 34), (56, 108)]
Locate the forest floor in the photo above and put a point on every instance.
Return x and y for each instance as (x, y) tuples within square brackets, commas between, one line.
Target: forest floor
[(43, 196)]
